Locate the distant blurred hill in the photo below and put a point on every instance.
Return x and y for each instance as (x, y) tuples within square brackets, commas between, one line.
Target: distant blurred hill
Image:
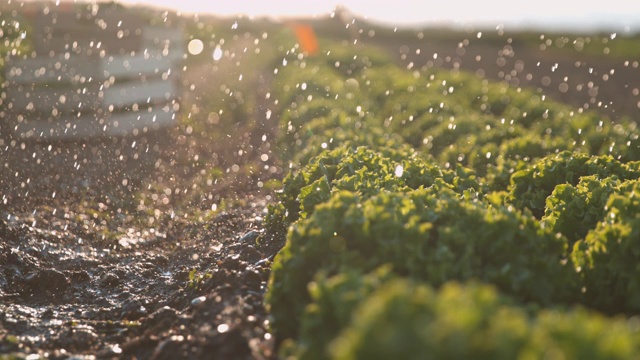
[(586, 70)]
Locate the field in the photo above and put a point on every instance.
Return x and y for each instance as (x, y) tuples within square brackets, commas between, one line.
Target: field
[(399, 194)]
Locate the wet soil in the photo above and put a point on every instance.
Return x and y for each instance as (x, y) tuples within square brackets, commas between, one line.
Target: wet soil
[(147, 247), (193, 291)]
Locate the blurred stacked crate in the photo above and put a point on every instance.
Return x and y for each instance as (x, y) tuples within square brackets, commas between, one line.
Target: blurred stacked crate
[(97, 70)]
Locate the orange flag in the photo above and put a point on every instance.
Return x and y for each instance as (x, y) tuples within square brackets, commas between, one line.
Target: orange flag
[(306, 38)]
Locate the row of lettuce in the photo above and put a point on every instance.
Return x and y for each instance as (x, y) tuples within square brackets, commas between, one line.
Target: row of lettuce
[(432, 214)]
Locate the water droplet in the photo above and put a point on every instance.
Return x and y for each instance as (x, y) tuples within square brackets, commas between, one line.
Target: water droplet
[(223, 328), (217, 53), (399, 171), (199, 300), (195, 46)]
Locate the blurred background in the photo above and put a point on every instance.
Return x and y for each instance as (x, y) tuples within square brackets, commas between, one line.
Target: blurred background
[(614, 15)]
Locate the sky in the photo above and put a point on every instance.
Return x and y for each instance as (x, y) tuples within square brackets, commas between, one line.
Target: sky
[(606, 15), (615, 15)]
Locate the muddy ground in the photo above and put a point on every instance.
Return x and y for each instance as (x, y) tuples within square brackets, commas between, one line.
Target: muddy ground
[(154, 246), (148, 247)]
